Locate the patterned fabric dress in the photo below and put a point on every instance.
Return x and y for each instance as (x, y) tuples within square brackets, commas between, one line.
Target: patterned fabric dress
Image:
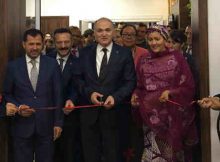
[(169, 129)]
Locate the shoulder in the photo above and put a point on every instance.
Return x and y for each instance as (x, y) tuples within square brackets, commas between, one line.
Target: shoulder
[(88, 48), (86, 51), (52, 54), (16, 62), (120, 48), (48, 60), (122, 52), (177, 54), (141, 50)]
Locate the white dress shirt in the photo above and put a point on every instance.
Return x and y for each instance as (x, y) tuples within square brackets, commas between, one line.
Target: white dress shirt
[(100, 54), (29, 64), (65, 58)]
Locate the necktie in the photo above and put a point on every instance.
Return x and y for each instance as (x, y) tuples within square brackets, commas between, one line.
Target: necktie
[(103, 63), (34, 74), (61, 63)]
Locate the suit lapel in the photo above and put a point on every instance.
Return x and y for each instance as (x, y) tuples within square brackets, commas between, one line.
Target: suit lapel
[(113, 57), (42, 72), (24, 72), (93, 62), (68, 64)]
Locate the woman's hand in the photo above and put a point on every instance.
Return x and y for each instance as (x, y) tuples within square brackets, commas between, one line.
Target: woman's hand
[(164, 96), (134, 101)]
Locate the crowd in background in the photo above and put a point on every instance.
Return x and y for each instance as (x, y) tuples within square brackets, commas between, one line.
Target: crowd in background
[(144, 88)]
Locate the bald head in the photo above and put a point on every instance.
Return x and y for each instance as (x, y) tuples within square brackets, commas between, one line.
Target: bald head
[(104, 31)]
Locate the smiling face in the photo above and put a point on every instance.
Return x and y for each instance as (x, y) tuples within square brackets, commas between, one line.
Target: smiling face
[(63, 43), (129, 37), (104, 32), (33, 46), (156, 42)]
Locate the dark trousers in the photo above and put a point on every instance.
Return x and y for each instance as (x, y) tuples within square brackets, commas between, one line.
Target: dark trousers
[(35, 147), (68, 147), (131, 137), (100, 138)]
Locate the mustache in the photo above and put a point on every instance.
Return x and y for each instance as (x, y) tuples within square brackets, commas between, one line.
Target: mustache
[(35, 50), (62, 49)]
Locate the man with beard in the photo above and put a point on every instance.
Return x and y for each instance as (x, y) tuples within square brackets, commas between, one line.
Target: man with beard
[(33, 84), (66, 146)]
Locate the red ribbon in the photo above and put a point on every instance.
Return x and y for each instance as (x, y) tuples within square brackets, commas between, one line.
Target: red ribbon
[(180, 105), (98, 105), (68, 107)]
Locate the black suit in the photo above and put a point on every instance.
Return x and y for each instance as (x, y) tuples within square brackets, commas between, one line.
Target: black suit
[(99, 126), (67, 146)]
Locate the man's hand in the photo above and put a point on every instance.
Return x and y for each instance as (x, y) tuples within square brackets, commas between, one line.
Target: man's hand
[(134, 101), (109, 102), (25, 111), (164, 96), (95, 98), (215, 103), (11, 109), (56, 132), (68, 107), (210, 102)]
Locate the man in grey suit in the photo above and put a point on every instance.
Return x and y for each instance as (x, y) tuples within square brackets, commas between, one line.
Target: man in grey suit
[(107, 78), (33, 84)]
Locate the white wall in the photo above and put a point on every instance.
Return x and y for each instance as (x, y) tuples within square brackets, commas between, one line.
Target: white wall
[(114, 9), (30, 8), (214, 69)]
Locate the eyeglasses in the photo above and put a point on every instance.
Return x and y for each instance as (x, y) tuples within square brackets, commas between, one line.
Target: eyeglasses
[(128, 35)]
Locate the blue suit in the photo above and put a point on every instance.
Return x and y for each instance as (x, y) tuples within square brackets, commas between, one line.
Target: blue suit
[(2, 108), (100, 126), (34, 133), (66, 148)]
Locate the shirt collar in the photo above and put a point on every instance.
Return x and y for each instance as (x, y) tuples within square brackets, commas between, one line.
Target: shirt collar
[(109, 47), (28, 59), (65, 58)]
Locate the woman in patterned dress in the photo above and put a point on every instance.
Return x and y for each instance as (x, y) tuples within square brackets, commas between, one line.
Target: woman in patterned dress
[(164, 76)]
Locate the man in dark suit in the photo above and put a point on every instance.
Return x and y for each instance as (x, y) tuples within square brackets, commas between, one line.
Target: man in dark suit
[(67, 146), (33, 84), (108, 79)]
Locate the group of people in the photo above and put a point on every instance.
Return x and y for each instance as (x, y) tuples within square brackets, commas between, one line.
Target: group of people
[(79, 40), (90, 106)]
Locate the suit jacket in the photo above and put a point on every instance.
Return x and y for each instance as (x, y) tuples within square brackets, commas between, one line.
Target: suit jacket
[(119, 80), (2, 109), (18, 90), (70, 70), (68, 73)]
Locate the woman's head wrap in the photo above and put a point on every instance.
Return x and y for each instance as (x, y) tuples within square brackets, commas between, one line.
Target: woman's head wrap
[(160, 29)]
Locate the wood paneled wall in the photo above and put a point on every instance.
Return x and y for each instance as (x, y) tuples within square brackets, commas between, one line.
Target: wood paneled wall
[(200, 51), (12, 26), (50, 23), (180, 12)]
